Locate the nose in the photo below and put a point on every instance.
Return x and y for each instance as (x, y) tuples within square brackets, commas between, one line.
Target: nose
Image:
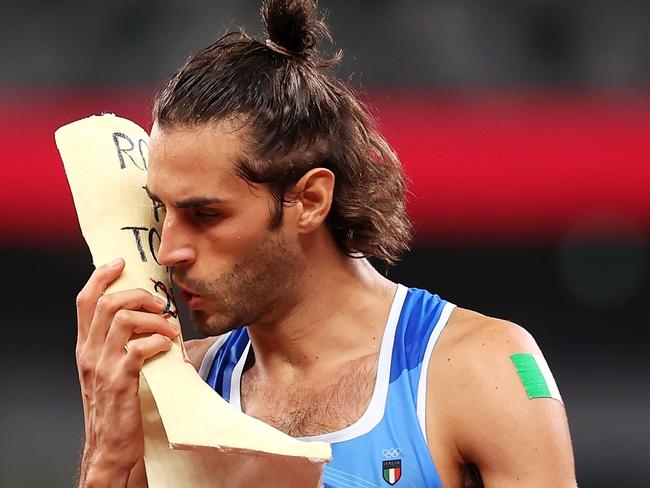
[(175, 244)]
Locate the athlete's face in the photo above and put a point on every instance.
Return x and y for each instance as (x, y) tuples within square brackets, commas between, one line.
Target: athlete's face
[(215, 229)]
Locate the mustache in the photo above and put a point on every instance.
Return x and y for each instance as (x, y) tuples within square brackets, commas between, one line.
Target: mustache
[(200, 287)]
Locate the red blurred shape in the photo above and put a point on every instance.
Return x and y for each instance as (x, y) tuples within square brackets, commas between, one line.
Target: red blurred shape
[(483, 167)]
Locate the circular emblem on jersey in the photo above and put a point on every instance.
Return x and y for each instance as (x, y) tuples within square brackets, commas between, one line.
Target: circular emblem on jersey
[(392, 452)]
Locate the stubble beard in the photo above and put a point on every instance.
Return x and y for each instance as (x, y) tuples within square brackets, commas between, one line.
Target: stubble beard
[(252, 289)]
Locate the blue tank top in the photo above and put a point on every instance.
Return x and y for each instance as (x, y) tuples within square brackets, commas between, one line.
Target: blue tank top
[(388, 444)]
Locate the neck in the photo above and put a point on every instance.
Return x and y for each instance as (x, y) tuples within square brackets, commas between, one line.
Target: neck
[(337, 314)]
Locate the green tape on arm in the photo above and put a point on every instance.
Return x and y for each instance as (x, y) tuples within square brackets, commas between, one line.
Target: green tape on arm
[(531, 376)]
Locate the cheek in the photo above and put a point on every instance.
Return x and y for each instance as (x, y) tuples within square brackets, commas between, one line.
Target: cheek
[(233, 240)]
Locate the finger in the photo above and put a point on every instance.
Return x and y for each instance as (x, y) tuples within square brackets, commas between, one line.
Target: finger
[(143, 348), (107, 307), (90, 293), (129, 322)]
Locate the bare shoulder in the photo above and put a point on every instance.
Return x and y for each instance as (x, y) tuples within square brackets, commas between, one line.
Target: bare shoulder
[(477, 338), (196, 349), (487, 414)]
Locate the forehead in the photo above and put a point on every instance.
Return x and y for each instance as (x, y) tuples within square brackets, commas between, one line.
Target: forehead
[(193, 161)]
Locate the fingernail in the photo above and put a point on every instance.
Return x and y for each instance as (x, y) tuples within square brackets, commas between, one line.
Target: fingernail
[(115, 263), (161, 302)]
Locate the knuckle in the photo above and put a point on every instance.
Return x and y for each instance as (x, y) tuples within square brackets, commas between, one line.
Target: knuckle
[(81, 299), (101, 303), (137, 351), (144, 295), (121, 318), (104, 303), (84, 364)]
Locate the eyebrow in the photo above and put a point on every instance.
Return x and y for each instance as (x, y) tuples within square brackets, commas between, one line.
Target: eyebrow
[(194, 202)]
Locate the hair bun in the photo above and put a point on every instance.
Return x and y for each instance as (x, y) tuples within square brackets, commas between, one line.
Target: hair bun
[(295, 26)]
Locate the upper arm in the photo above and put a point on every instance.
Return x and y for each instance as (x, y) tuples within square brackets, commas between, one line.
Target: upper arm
[(513, 440)]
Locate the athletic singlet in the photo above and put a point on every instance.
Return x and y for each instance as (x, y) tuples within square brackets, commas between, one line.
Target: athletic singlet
[(387, 445)]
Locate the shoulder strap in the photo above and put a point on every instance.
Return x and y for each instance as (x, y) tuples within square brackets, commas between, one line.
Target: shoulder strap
[(208, 359), (443, 318)]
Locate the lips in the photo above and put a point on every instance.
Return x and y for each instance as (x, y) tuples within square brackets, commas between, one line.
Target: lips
[(185, 295), (189, 296), (182, 287), (193, 301)]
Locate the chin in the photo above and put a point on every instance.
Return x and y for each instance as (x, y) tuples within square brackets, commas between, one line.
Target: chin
[(211, 325)]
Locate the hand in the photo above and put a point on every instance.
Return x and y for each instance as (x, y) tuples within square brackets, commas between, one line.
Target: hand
[(109, 374)]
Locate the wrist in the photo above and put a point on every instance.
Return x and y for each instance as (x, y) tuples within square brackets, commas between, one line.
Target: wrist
[(104, 473)]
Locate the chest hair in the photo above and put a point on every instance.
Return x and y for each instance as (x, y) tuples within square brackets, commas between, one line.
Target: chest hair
[(302, 409)]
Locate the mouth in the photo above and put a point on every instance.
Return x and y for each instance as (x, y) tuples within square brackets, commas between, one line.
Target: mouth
[(189, 296), (193, 301)]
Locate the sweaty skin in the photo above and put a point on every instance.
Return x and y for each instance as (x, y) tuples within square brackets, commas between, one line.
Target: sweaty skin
[(313, 323)]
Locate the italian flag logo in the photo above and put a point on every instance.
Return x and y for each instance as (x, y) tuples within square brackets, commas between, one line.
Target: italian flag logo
[(392, 471), (536, 376)]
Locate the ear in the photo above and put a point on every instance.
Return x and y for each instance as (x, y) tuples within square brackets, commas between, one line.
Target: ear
[(314, 193)]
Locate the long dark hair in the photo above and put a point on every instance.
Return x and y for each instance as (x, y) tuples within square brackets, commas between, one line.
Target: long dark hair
[(299, 116)]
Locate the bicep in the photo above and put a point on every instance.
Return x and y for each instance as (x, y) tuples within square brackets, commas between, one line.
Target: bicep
[(525, 443)]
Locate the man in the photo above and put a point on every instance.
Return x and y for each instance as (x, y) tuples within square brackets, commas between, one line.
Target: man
[(274, 187)]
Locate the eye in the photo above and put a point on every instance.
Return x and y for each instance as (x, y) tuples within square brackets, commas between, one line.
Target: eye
[(203, 214), (158, 209)]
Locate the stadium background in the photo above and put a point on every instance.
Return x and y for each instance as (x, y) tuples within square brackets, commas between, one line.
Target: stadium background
[(524, 129)]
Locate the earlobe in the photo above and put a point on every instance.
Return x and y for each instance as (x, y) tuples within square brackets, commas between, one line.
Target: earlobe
[(315, 191)]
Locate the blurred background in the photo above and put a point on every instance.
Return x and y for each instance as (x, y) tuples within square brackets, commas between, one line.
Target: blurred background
[(524, 128)]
